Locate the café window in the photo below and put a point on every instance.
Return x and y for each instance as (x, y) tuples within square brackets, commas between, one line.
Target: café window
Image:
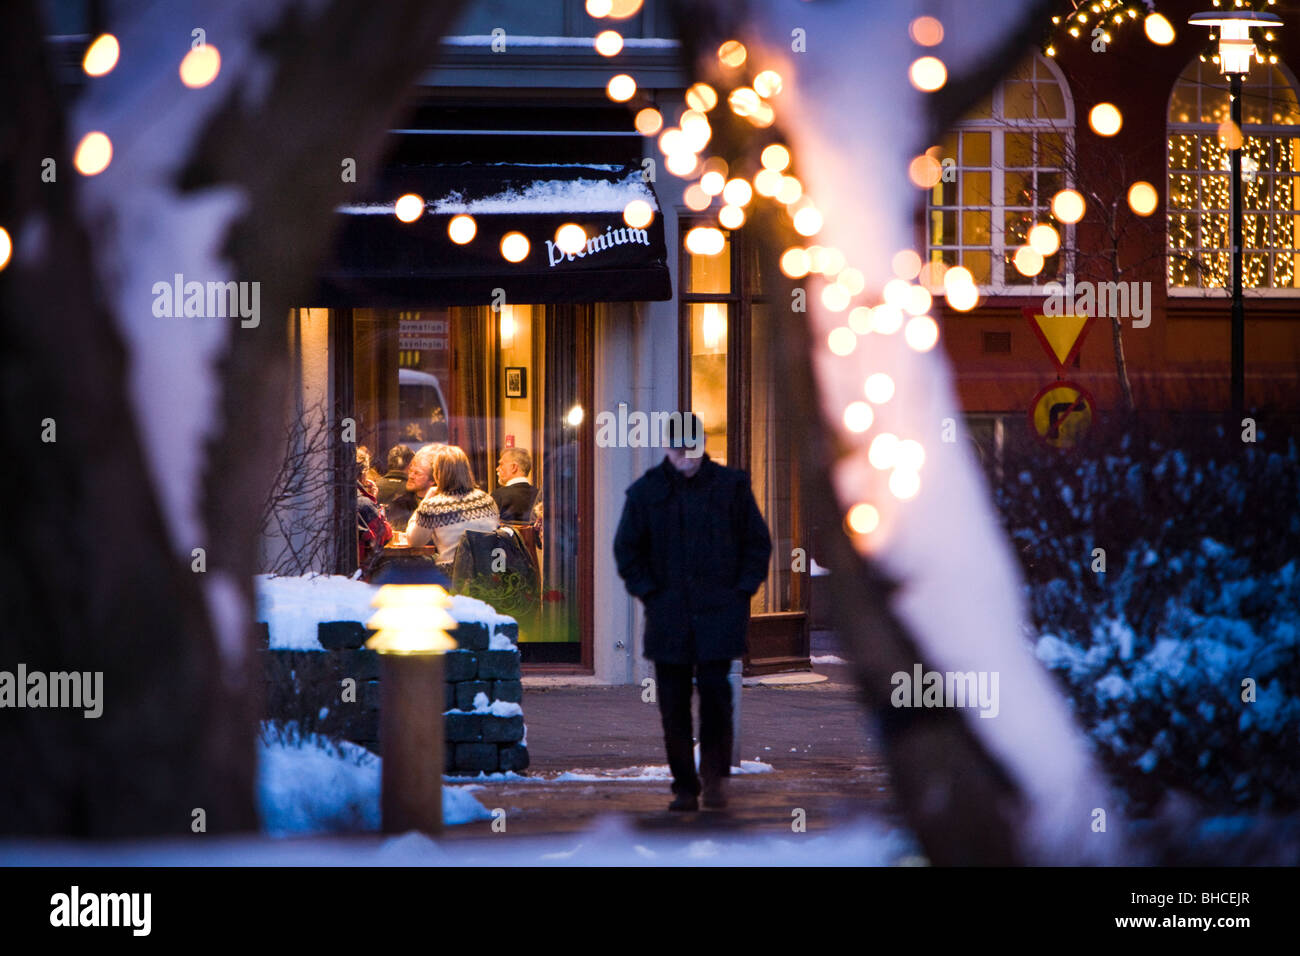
[(730, 379), (487, 381), (1200, 194), (1004, 161)]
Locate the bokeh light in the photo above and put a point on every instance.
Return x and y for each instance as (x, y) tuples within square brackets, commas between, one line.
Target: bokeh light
[(200, 66), (879, 388), (638, 214), (94, 153), (928, 74), (101, 56), (1068, 206), (1105, 119), (1143, 198), (409, 207), (858, 416), (514, 247), (620, 88), (462, 229)]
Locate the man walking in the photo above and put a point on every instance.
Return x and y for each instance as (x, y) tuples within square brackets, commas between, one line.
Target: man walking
[(692, 545)]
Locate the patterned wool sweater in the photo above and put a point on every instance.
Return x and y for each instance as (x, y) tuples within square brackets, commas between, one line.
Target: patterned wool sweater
[(445, 518)]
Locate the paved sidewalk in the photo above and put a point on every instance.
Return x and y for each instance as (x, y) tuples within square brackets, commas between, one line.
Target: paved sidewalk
[(814, 737)]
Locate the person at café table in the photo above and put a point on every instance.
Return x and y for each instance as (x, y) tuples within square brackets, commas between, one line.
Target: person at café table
[(514, 493), (399, 503), (454, 506)]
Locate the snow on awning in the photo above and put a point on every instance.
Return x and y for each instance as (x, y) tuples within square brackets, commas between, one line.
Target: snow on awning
[(379, 261)]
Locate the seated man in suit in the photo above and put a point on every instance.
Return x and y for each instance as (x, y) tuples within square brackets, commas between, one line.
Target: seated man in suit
[(514, 493)]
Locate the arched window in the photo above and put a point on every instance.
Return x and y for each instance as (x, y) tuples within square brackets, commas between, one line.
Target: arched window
[(1009, 157), (1200, 202)]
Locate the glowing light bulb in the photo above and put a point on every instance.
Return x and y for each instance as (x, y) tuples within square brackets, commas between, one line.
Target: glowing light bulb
[(926, 31), (883, 451), (1068, 206), (514, 247), (1105, 119), (863, 519), (879, 388), (649, 121), (701, 97), (775, 157), (1044, 239), (732, 54), (609, 43), (570, 238), (94, 153), (906, 264), (928, 74), (808, 221), (620, 88), (731, 217), (842, 340), (738, 192), (705, 241), (462, 229), (1158, 29), (767, 182), (922, 333), (101, 56), (768, 84), (200, 66), (904, 484), (858, 417), (836, 299), (911, 456), (1142, 198), (794, 262), (1028, 261), (409, 207), (638, 214)]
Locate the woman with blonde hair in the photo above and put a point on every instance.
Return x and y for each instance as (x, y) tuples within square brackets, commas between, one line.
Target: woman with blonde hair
[(453, 506)]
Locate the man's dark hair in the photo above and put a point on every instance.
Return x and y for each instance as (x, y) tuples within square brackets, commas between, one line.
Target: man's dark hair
[(399, 457)]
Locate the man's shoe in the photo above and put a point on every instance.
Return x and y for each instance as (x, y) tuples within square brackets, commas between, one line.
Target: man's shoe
[(714, 796), (684, 802)]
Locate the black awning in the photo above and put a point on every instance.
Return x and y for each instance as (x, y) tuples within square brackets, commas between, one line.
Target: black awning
[(379, 261)]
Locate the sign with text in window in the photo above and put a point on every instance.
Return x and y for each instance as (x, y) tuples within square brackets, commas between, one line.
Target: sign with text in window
[(422, 335)]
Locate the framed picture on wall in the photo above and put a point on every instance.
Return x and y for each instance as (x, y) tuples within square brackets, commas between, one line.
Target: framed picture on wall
[(516, 381)]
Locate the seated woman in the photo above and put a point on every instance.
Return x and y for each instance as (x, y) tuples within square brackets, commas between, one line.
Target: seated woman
[(453, 507)]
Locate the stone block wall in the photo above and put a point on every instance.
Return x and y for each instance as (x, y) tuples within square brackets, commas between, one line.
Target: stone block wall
[(483, 721)]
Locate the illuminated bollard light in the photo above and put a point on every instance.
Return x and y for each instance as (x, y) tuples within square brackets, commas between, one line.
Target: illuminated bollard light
[(411, 626)]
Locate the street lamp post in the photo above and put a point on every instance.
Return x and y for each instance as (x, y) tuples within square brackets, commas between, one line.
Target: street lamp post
[(411, 636), (1236, 49)]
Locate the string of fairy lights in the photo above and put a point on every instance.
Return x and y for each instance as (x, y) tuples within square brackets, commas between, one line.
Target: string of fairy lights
[(1088, 21), (94, 150)]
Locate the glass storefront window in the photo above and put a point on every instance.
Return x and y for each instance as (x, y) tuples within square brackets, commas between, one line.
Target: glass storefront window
[(709, 321), (486, 382)]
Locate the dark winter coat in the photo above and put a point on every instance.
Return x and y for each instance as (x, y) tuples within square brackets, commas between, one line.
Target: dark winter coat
[(515, 502), (694, 550), (397, 501)]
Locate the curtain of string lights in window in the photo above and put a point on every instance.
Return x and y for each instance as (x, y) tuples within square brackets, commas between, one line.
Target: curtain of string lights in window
[(1200, 200)]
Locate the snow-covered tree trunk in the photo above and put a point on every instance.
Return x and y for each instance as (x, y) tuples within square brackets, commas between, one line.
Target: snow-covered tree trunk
[(934, 584), (166, 426)]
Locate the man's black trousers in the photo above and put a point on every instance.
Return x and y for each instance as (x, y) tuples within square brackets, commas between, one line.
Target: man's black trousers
[(674, 690)]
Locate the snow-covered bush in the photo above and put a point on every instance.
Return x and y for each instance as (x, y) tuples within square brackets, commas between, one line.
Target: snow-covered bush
[(1200, 538)]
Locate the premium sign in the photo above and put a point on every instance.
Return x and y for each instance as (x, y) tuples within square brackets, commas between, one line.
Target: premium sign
[(598, 243)]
